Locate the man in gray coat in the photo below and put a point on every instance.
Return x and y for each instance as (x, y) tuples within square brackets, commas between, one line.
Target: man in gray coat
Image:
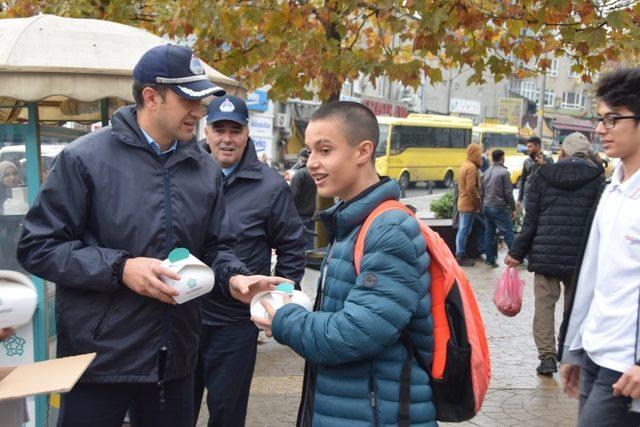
[(499, 206)]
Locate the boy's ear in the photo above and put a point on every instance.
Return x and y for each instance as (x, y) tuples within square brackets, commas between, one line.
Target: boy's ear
[(365, 151)]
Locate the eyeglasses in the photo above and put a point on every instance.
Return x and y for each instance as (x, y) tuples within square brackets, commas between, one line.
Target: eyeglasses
[(609, 122)]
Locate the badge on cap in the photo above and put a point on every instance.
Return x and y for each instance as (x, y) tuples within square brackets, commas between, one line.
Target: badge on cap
[(227, 106), (195, 65)]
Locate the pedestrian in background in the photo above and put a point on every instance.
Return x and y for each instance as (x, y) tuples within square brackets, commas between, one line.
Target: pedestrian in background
[(263, 217), (486, 155), (304, 193), (535, 160), (499, 206), (599, 343), (352, 343), (559, 201), (301, 162), (116, 203), (469, 204)]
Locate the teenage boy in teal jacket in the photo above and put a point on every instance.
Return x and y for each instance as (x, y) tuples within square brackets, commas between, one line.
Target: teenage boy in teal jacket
[(351, 342)]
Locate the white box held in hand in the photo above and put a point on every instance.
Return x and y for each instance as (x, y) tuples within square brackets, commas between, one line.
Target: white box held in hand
[(276, 298), (18, 298), (196, 278)]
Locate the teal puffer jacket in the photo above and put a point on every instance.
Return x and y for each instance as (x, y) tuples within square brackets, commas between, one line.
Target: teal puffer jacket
[(352, 341)]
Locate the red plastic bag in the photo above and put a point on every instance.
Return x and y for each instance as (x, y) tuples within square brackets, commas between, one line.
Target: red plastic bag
[(508, 294)]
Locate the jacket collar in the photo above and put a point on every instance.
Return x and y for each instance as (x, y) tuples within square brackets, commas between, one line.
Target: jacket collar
[(125, 128), (631, 187), (342, 218)]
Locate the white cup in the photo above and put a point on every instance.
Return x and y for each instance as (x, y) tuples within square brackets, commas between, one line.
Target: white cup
[(276, 300), (196, 278)]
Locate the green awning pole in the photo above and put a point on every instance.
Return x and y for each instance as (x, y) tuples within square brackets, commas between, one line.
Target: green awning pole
[(40, 339)]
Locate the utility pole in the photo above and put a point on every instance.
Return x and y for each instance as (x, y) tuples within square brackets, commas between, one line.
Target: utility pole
[(541, 104)]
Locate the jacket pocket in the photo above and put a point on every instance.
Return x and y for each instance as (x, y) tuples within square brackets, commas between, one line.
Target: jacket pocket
[(104, 317)]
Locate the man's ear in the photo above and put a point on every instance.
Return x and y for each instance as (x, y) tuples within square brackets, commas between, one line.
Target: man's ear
[(365, 151), (151, 98)]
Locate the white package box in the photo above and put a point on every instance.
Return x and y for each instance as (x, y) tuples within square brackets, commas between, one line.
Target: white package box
[(196, 278)]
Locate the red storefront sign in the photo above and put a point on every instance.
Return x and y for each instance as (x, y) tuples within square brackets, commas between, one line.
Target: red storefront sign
[(381, 108)]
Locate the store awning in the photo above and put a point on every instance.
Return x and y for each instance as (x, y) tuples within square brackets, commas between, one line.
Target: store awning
[(573, 124)]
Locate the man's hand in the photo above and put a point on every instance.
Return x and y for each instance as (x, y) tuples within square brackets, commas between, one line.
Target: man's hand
[(5, 333), (513, 215), (243, 288), (570, 376), (629, 384), (511, 262), (142, 276)]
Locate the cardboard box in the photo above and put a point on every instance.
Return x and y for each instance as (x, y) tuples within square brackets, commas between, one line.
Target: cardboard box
[(49, 376)]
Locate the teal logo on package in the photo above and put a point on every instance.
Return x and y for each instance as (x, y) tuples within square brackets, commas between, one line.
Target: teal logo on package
[(14, 345), (178, 254), (192, 283)]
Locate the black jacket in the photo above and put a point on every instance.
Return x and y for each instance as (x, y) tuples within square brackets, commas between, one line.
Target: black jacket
[(109, 197), (304, 192), (263, 216), (559, 201)]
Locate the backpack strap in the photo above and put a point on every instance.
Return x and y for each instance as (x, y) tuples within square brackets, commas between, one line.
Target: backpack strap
[(383, 207), (404, 404)]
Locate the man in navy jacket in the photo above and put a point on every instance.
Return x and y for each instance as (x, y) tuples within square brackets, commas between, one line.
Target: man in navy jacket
[(263, 216), (115, 203)]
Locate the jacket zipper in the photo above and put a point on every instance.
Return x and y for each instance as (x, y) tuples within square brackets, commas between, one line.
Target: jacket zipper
[(373, 399), (323, 279), (163, 352)]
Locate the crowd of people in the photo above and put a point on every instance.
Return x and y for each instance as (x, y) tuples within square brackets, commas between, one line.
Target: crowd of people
[(117, 201)]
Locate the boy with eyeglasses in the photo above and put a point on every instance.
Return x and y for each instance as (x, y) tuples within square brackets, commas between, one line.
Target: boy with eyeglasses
[(599, 335)]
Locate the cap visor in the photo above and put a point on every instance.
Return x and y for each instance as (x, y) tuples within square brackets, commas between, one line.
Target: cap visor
[(197, 90), (234, 117)]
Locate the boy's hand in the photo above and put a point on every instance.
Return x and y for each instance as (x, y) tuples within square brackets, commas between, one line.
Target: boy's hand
[(629, 384), (570, 376), (266, 323), (243, 288)]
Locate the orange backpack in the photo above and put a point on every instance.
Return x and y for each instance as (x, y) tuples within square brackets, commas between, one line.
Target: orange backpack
[(460, 370)]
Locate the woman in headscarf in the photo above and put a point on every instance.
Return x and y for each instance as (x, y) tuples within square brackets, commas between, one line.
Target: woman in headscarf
[(9, 178)]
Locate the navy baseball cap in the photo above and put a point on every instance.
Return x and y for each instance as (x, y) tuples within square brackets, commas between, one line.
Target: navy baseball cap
[(178, 68), (228, 107)]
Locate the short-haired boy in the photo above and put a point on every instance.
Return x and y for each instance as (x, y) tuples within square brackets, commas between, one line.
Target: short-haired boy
[(352, 341)]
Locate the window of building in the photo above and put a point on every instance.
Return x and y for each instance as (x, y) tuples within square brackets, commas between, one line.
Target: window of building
[(573, 74), (572, 100), (529, 90), (552, 71), (549, 98)]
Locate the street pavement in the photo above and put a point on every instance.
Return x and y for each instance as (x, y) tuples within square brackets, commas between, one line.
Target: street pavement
[(516, 397)]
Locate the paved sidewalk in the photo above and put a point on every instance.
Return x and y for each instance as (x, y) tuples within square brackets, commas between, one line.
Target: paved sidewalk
[(517, 396)]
